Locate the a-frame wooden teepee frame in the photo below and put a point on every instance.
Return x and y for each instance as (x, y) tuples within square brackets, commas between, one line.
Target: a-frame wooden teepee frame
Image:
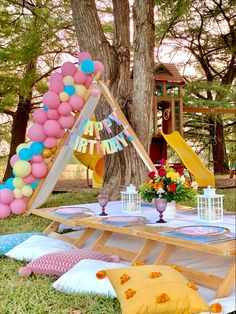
[(64, 151)]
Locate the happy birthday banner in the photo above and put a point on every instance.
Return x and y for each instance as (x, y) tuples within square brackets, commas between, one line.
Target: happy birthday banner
[(103, 147)]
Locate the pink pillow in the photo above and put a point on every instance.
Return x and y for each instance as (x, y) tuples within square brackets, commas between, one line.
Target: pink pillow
[(58, 263)]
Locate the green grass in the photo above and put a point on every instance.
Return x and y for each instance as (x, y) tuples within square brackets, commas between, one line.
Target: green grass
[(35, 295)]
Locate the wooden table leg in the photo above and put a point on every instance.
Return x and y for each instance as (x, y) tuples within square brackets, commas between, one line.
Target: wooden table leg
[(51, 228), (165, 253), (84, 237), (227, 284), (144, 251)]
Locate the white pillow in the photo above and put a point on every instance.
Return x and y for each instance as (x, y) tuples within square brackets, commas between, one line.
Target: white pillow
[(37, 246), (82, 279)]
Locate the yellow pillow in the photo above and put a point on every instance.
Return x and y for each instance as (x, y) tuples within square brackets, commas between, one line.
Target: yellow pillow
[(155, 289)]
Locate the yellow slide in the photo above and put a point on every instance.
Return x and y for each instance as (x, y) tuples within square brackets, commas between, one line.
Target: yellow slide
[(94, 162), (202, 175)]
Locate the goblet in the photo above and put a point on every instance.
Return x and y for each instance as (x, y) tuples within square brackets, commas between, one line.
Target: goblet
[(103, 200), (160, 204)]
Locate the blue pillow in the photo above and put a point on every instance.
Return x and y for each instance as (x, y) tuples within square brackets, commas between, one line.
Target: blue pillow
[(9, 241)]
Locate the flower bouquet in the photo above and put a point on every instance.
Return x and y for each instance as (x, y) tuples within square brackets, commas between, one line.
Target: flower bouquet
[(167, 184)]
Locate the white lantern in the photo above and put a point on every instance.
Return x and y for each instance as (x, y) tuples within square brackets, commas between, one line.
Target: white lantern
[(210, 206), (131, 200)]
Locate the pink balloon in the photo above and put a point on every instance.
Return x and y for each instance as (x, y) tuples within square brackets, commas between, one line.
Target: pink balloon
[(52, 128), (98, 66), (52, 114), (80, 77), (56, 86), (36, 133), (62, 133), (67, 122), (6, 196), (84, 56), (68, 68), (39, 170), (5, 211), (29, 179), (88, 82), (51, 100), (50, 141), (18, 206), (64, 109), (14, 159), (40, 116), (25, 198), (76, 102), (56, 76), (37, 158)]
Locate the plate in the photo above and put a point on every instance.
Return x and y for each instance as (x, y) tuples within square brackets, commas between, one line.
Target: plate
[(202, 230), (123, 221), (73, 210)]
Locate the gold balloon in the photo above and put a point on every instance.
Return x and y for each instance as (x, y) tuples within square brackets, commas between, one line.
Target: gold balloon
[(46, 153), (54, 149)]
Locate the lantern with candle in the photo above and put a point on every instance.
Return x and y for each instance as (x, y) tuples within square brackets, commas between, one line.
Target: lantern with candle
[(131, 200)]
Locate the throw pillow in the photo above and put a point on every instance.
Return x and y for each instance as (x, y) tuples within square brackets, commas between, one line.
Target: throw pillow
[(152, 289), (56, 264), (81, 279), (37, 246), (9, 241)]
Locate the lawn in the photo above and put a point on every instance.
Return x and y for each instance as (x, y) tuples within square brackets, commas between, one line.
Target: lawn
[(35, 295)]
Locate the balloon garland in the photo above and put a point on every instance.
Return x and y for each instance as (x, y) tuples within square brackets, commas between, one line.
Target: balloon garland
[(66, 95)]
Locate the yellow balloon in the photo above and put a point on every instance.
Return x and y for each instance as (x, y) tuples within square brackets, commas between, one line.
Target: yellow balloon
[(17, 193), (19, 147), (22, 168), (18, 183), (54, 149), (80, 90), (68, 80), (64, 96), (46, 153), (27, 190)]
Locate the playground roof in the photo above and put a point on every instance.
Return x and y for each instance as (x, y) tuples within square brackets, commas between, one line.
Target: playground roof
[(172, 74)]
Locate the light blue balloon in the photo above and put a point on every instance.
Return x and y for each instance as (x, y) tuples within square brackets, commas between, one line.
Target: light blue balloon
[(45, 108), (87, 66), (36, 148), (2, 186), (34, 184), (69, 89), (25, 154), (9, 184)]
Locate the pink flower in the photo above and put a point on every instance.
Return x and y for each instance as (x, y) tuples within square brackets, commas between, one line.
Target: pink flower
[(151, 175), (163, 162), (161, 172)]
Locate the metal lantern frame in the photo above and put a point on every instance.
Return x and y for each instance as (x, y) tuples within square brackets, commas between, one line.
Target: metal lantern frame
[(210, 208), (130, 200)]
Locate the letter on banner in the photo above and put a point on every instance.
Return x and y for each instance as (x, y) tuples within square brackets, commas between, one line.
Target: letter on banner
[(121, 138), (108, 121), (89, 128), (99, 148), (114, 117), (96, 130), (91, 147), (106, 147), (82, 147), (106, 126), (129, 137), (115, 145)]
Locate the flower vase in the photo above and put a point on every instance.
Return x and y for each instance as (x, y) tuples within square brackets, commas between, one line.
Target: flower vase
[(170, 211)]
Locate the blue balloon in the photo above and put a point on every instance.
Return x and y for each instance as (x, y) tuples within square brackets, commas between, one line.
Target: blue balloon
[(36, 148), (2, 186), (34, 184), (9, 184), (69, 89), (87, 66), (45, 108), (25, 154)]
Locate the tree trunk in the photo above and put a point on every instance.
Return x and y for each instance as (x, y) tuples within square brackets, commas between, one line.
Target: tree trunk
[(124, 167), (18, 130), (216, 129)]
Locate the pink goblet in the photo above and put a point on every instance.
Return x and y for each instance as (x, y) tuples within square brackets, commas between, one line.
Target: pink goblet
[(160, 204), (103, 200)]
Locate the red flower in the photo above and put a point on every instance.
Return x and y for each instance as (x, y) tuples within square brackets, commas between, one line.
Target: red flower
[(151, 175), (161, 172), (172, 187), (180, 171)]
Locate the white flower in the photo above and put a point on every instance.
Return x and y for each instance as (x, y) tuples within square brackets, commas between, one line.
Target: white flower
[(182, 179), (194, 185)]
